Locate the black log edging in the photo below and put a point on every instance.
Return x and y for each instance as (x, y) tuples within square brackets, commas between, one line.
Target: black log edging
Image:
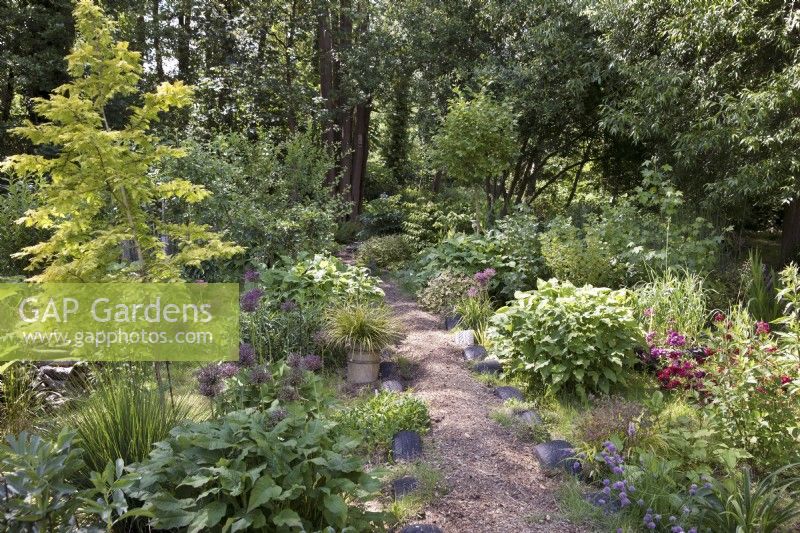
[(421, 528), (404, 486), (451, 321), (475, 353), (557, 455), (392, 385), (509, 393), (388, 370), (490, 366), (406, 446), (531, 417)]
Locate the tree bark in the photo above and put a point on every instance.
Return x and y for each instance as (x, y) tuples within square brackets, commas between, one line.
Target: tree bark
[(790, 231), (183, 48), (157, 40), (359, 158), (327, 79)]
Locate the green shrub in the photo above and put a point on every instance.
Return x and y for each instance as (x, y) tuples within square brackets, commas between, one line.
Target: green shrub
[(378, 417), (674, 300), (319, 281), (122, 418), (276, 330), (270, 197), (511, 249), (385, 251), (272, 470), (292, 384), (14, 202), (443, 292), (581, 339), (631, 237), (40, 494)]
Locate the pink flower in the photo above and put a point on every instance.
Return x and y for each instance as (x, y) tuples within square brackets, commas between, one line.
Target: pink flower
[(785, 380), (719, 317), (762, 328), (648, 312), (473, 292)]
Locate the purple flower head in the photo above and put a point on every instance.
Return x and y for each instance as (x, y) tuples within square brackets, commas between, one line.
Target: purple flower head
[(631, 429), (617, 470), (650, 337), (693, 490), (209, 380), (228, 370), (576, 466), (251, 275), (473, 292), (260, 375), (484, 276), (287, 306), (247, 354), (251, 299), (648, 312), (675, 339), (312, 363), (606, 482), (640, 503), (294, 360)]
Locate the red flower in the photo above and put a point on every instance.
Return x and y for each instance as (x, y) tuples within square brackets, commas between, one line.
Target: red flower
[(762, 328), (718, 317), (785, 380)]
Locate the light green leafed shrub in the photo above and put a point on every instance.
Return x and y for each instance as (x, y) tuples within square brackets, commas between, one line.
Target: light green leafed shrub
[(319, 281), (385, 251), (570, 338), (273, 470), (377, 418), (444, 291)]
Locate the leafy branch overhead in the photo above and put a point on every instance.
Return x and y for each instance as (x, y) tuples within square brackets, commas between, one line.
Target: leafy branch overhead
[(101, 191)]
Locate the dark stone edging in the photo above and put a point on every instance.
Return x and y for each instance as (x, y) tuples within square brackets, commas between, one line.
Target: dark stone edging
[(406, 446)]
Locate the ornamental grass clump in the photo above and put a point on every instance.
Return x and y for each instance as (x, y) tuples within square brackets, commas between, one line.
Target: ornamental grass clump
[(361, 326), (580, 339)]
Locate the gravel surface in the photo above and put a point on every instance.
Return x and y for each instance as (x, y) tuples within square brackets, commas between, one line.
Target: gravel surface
[(495, 484)]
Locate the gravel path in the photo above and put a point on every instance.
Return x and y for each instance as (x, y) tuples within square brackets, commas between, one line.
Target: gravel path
[(495, 483)]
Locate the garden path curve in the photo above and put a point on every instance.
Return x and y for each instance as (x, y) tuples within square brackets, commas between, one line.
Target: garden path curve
[(494, 480)]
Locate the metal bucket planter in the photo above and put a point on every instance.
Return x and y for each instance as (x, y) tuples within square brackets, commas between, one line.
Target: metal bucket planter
[(362, 367)]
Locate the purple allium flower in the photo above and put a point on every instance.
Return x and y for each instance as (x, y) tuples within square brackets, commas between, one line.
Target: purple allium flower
[(651, 525), (576, 466), (260, 375), (606, 482), (277, 415), (251, 299), (640, 503), (294, 359), (601, 501), (484, 276), (251, 275), (707, 485), (287, 306), (247, 354), (209, 380), (618, 485), (228, 370), (693, 490), (473, 292), (617, 470), (672, 518), (312, 363), (321, 338)]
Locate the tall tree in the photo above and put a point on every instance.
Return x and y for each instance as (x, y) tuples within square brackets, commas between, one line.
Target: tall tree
[(101, 188)]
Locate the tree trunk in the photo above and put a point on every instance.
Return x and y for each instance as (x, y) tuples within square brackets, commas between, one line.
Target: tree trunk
[(359, 158), (291, 114), (183, 48), (157, 40), (327, 78), (790, 231), (7, 97)]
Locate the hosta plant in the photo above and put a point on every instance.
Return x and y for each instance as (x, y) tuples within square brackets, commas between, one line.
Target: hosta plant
[(273, 470), (571, 338)]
